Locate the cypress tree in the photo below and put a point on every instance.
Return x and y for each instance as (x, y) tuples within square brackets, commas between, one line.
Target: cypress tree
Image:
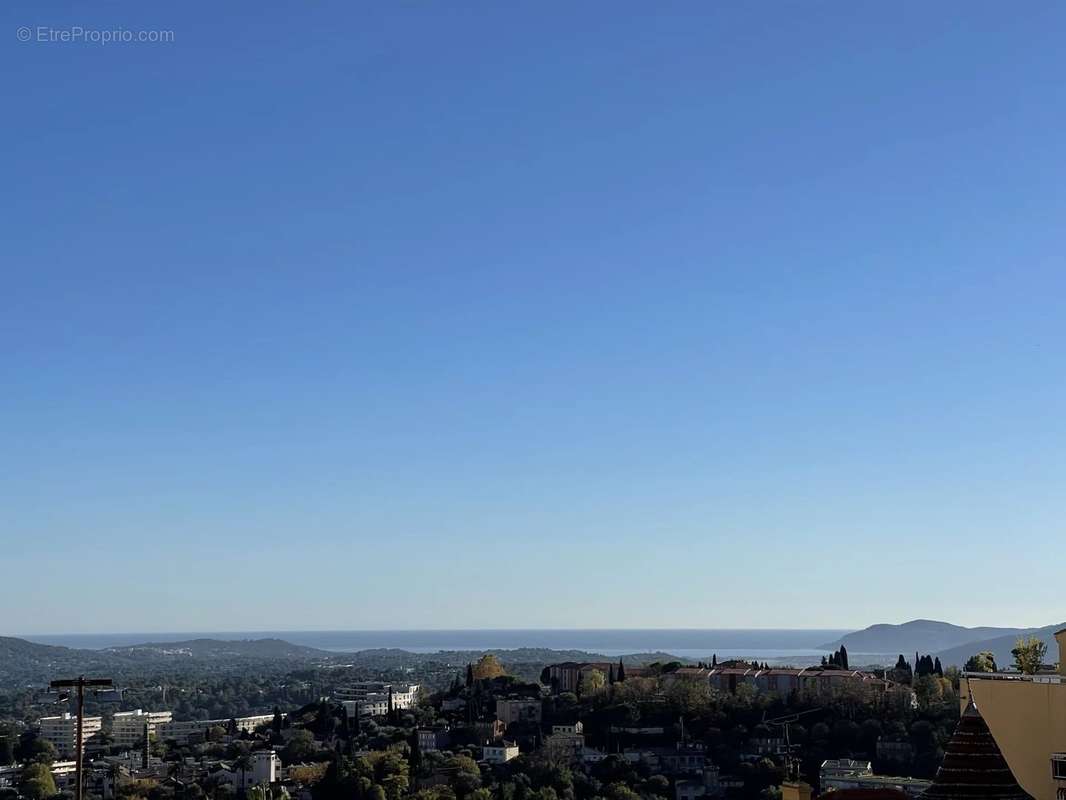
[(937, 668), (621, 676), (844, 657), (714, 659), (469, 674), (610, 675)]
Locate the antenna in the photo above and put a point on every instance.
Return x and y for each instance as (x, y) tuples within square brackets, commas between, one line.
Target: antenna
[(785, 723)]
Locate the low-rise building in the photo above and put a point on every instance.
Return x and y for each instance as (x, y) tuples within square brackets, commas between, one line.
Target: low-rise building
[(784, 681), (844, 773), (499, 752), (566, 741)]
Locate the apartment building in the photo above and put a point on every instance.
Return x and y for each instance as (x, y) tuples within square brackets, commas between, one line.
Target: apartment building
[(62, 732), (404, 695), (127, 727), (784, 681), (431, 740), (187, 731), (521, 710), (1027, 716)]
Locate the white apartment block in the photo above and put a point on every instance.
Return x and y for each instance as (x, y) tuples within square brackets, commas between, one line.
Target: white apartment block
[(371, 698), (404, 695), (62, 731), (127, 727)]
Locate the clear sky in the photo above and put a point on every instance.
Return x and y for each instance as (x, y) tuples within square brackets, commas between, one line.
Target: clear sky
[(530, 314)]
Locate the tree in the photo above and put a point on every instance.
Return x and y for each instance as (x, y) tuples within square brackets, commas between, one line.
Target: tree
[(985, 661), (37, 782), (243, 762), (1029, 654), (7, 751), (300, 747), (41, 751), (938, 670), (595, 681), (621, 676), (488, 667), (843, 655), (277, 723), (469, 675)]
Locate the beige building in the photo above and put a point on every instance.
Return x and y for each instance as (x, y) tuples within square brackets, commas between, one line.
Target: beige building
[(127, 727), (1027, 717), (522, 710), (62, 731)]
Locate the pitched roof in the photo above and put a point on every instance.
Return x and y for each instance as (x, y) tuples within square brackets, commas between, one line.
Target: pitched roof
[(974, 767)]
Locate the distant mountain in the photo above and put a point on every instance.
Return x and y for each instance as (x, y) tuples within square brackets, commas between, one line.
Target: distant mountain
[(1001, 646), (922, 635), (220, 649)]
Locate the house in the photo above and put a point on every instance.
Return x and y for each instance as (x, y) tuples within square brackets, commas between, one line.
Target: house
[(566, 741), (499, 752)]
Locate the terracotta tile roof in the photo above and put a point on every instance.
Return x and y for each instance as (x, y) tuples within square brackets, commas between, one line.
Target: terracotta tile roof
[(974, 767)]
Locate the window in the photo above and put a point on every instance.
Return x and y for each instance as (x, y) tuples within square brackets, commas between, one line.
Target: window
[(1058, 767)]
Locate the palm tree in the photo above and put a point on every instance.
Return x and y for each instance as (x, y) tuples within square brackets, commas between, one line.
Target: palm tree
[(243, 762)]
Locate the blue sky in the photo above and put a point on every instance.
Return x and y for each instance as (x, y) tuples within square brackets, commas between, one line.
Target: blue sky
[(450, 315)]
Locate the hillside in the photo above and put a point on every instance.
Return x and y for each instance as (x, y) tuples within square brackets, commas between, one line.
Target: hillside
[(28, 662), (1001, 646), (923, 635)]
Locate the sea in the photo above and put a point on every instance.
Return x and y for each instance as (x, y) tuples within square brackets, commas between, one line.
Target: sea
[(771, 645)]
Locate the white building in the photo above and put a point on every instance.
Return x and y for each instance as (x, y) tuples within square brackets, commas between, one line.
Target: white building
[(62, 731), (499, 752), (127, 727), (263, 771), (372, 697)]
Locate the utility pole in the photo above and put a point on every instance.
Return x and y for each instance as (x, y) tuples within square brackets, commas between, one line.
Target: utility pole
[(80, 683)]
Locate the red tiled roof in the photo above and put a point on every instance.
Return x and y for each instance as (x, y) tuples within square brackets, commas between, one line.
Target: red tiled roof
[(974, 767)]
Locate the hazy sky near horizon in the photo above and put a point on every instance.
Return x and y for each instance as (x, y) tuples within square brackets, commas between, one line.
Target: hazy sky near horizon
[(444, 315)]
